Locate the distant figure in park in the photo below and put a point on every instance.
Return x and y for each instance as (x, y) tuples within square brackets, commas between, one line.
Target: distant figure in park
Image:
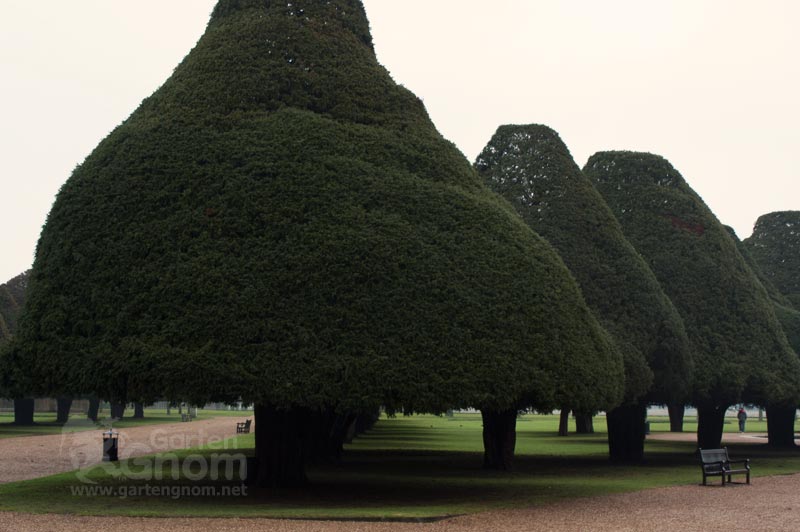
[(742, 417)]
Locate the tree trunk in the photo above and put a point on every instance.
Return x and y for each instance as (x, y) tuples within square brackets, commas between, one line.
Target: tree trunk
[(23, 411), (117, 410), (626, 433), (676, 412), (64, 404), (563, 422), (327, 431), (584, 423), (350, 430), (365, 422), (280, 447), (710, 422), (780, 426), (138, 411), (499, 438), (94, 408)]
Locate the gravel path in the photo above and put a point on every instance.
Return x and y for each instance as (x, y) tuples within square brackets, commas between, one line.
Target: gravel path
[(769, 504), (37, 456)]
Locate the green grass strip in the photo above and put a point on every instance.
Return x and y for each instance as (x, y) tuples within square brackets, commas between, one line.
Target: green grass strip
[(416, 467)]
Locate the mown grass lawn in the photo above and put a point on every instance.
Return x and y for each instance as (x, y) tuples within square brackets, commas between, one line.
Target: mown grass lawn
[(407, 467)]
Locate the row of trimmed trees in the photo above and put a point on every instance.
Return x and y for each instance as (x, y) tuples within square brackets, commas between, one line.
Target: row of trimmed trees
[(664, 277), (281, 223), (532, 168)]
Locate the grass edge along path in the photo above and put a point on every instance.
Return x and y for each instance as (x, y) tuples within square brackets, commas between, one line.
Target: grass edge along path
[(407, 468)]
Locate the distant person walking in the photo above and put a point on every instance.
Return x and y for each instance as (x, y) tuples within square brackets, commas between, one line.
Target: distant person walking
[(742, 417)]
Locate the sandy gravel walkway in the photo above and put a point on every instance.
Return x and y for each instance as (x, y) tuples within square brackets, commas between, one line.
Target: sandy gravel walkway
[(38, 456), (727, 437)]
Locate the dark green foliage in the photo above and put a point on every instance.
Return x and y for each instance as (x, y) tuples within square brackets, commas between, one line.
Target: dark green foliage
[(780, 416), (281, 222), (788, 315), (741, 352), (12, 299), (532, 168), (775, 246), (790, 320)]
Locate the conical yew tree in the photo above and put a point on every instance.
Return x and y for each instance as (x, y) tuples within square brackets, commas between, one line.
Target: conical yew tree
[(770, 228), (787, 314), (740, 350), (532, 168), (12, 299), (282, 223), (775, 246)]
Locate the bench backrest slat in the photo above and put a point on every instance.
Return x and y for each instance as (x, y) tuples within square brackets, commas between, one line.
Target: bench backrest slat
[(714, 455)]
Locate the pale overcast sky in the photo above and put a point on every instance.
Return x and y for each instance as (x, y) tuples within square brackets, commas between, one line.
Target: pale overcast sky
[(712, 85)]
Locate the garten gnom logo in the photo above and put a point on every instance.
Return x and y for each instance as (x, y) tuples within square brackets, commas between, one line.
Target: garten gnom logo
[(160, 457)]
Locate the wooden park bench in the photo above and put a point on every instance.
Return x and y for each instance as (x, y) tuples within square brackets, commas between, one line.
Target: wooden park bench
[(716, 462), (243, 427)]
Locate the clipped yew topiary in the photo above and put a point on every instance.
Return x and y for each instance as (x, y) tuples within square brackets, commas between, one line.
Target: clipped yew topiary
[(787, 313), (775, 246), (780, 417), (12, 299), (532, 168), (281, 222), (740, 350)]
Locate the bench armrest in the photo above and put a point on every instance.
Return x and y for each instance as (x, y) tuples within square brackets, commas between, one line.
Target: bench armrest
[(746, 462)]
